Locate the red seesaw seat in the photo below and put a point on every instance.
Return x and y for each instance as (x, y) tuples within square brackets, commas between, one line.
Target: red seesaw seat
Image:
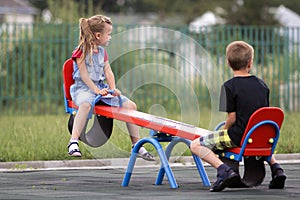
[(257, 145)]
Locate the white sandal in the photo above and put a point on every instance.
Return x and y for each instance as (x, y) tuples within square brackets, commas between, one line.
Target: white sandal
[(74, 151)]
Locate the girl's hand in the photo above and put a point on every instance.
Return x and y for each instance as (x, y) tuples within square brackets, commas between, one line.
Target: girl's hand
[(116, 92), (102, 92)]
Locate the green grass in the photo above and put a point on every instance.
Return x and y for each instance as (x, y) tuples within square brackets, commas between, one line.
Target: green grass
[(26, 138), (289, 141)]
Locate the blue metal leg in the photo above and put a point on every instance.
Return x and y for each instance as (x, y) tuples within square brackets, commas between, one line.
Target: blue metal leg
[(129, 170), (162, 156), (169, 149), (201, 171), (197, 160)]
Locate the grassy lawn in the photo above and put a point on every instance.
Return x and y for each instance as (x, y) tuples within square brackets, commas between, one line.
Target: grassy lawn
[(46, 137)]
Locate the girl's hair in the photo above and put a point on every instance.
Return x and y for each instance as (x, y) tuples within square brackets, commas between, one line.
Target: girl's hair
[(88, 28), (239, 54)]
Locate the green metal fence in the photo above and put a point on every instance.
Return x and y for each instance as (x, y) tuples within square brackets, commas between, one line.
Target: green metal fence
[(155, 66)]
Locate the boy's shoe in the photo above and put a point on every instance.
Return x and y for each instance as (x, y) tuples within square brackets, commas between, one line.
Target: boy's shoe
[(73, 149), (146, 156), (278, 180), (228, 178)]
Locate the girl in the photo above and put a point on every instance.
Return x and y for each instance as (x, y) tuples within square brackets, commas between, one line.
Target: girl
[(91, 68)]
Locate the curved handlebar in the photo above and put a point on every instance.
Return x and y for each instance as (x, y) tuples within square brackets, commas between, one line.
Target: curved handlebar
[(97, 98)]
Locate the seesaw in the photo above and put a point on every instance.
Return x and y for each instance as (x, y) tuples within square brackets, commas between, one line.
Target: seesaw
[(161, 130), (258, 144)]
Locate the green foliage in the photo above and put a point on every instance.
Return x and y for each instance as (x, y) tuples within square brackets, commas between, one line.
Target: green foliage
[(246, 12), (250, 13), (70, 11)]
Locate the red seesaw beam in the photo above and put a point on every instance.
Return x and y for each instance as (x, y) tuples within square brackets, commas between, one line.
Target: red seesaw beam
[(153, 122)]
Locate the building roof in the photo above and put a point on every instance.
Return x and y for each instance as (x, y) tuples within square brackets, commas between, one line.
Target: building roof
[(17, 7)]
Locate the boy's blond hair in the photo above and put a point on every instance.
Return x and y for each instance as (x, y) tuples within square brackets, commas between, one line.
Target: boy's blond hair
[(239, 55)]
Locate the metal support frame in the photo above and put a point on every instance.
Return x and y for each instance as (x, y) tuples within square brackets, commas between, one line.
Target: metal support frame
[(164, 158)]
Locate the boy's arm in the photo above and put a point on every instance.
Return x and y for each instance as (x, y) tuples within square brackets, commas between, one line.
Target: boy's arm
[(231, 117)]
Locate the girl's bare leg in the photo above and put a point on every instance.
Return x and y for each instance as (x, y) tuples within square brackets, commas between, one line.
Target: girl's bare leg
[(134, 134), (78, 125)]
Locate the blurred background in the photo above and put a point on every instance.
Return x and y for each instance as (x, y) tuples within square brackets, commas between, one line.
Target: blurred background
[(167, 56), (37, 36)]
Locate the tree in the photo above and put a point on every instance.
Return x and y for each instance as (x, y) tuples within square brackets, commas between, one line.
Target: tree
[(236, 12), (250, 12), (68, 11)]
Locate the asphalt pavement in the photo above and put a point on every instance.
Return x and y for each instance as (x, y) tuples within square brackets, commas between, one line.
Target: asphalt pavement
[(101, 179)]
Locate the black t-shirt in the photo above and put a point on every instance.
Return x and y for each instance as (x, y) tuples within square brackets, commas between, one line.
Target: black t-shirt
[(242, 95)]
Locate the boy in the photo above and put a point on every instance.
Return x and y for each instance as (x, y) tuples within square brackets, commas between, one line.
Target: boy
[(240, 97)]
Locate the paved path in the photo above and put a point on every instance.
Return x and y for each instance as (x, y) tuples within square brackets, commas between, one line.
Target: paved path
[(90, 182)]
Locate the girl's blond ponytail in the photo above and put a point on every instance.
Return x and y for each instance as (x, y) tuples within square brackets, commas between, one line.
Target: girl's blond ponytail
[(86, 38)]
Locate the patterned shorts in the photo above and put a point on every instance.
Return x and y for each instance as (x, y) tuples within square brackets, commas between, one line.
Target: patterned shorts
[(217, 141)]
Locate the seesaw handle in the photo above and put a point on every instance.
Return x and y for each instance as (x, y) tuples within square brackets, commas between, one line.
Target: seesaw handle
[(97, 98)]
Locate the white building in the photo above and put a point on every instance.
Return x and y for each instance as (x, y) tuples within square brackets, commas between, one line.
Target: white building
[(16, 11)]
